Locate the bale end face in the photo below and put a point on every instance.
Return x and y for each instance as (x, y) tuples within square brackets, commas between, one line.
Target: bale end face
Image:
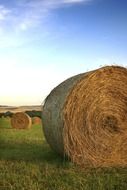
[(95, 119), (21, 120)]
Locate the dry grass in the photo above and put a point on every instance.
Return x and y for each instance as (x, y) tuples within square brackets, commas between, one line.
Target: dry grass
[(28, 163)]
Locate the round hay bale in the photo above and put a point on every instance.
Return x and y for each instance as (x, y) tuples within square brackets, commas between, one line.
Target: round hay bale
[(85, 118), (36, 120), (21, 120)]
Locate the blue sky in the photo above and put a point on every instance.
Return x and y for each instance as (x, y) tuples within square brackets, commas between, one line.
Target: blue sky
[(43, 42)]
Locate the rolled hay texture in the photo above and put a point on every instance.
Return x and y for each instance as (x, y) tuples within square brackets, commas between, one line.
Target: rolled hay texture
[(21, 120), (85, 118), (36, 120)]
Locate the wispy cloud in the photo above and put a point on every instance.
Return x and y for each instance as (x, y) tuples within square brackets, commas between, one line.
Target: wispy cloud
[(3, 12), (74, 1), (26, 14)]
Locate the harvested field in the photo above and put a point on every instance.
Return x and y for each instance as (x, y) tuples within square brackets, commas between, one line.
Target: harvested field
[(27, 162)]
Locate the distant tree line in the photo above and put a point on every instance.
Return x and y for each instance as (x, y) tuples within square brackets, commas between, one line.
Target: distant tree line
[(32, 113)]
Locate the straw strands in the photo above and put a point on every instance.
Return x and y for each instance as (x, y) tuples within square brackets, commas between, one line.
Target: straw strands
[(85, 118)]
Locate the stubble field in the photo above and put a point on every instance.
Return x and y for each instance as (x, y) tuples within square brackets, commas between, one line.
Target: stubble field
[(28, 163)]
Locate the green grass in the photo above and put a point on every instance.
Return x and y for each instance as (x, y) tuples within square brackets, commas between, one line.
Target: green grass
[(28, 163)]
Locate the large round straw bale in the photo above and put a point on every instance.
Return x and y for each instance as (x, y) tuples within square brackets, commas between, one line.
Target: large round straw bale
[(85, 118), (21, 120)]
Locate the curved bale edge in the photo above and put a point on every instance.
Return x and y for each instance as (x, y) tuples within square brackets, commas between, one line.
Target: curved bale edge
[(52, 121)]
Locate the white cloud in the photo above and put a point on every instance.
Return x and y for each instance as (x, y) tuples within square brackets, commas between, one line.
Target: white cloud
[(74, 1), (3, 12), (26, 14), (37, 11)]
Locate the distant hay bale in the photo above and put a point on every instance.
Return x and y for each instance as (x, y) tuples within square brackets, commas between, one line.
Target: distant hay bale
[(21, 120), (85, 118), (36, 120)]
